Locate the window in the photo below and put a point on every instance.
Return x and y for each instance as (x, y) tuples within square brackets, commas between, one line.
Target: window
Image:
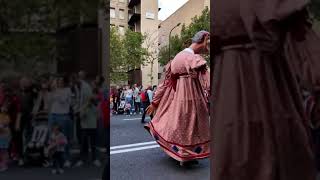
[(121, 30), (112, 12), (121, 14)]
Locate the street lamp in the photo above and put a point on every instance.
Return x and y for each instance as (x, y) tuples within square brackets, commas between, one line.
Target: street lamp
[(170, 38)]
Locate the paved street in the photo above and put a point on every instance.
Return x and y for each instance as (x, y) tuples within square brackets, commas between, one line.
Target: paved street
[(134, 155), (83, 173), (87, 172)]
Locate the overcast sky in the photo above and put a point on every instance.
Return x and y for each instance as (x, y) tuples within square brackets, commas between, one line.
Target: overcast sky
[(168, 7)]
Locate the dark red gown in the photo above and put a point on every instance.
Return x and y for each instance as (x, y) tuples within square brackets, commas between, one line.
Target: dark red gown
[(259, 127)]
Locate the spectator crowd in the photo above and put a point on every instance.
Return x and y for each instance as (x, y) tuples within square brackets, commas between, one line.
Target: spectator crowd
[(42, 119), (131, 99)]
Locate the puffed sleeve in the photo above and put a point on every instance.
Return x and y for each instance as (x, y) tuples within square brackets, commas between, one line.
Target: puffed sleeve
[(197, 62)]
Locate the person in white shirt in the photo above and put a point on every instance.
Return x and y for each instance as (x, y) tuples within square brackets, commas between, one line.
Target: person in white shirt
[(136, 98), (129, 98), (60, 103), (150, 94)]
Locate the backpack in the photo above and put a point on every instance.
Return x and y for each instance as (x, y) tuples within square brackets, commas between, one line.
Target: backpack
[(144, 96)]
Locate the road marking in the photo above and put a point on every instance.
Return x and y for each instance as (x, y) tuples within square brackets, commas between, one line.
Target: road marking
[(132, 145), (133, 119), (133, 149), (77, 151)]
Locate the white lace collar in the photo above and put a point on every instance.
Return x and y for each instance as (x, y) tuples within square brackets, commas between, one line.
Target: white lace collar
[(189, 50)]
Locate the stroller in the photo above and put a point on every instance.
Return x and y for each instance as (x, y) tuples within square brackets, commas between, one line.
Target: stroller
[(35, 148), (122, 106)]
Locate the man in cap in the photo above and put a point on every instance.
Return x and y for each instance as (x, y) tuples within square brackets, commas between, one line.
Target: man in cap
[(181, 122)]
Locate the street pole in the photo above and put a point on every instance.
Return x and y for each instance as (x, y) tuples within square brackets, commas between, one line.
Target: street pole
[(170, 39)]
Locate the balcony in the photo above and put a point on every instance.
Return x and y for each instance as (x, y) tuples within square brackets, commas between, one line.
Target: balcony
[(134, 16), (135, 9), (133, 3)]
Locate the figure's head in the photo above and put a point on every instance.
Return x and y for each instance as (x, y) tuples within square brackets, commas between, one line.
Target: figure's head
[(201, 42)]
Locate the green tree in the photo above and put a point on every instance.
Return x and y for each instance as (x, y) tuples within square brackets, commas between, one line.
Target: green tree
[(151, 56), (28, 30), (315, 9), (118, 69), (163, 55), (126, 53), (177, 43), (198, 23), (135, 53), (26, 33)]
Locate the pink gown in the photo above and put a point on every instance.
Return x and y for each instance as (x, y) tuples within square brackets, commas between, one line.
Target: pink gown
[(181, 123)]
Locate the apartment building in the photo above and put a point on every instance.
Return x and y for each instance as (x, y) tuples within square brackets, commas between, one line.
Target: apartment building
[(139, 16), (183, 15), (75, 40), (103, 19), (119, 14)]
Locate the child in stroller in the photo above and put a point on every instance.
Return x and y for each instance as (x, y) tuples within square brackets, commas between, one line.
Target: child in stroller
[(36, 145), (127, 109), (122, 105)]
